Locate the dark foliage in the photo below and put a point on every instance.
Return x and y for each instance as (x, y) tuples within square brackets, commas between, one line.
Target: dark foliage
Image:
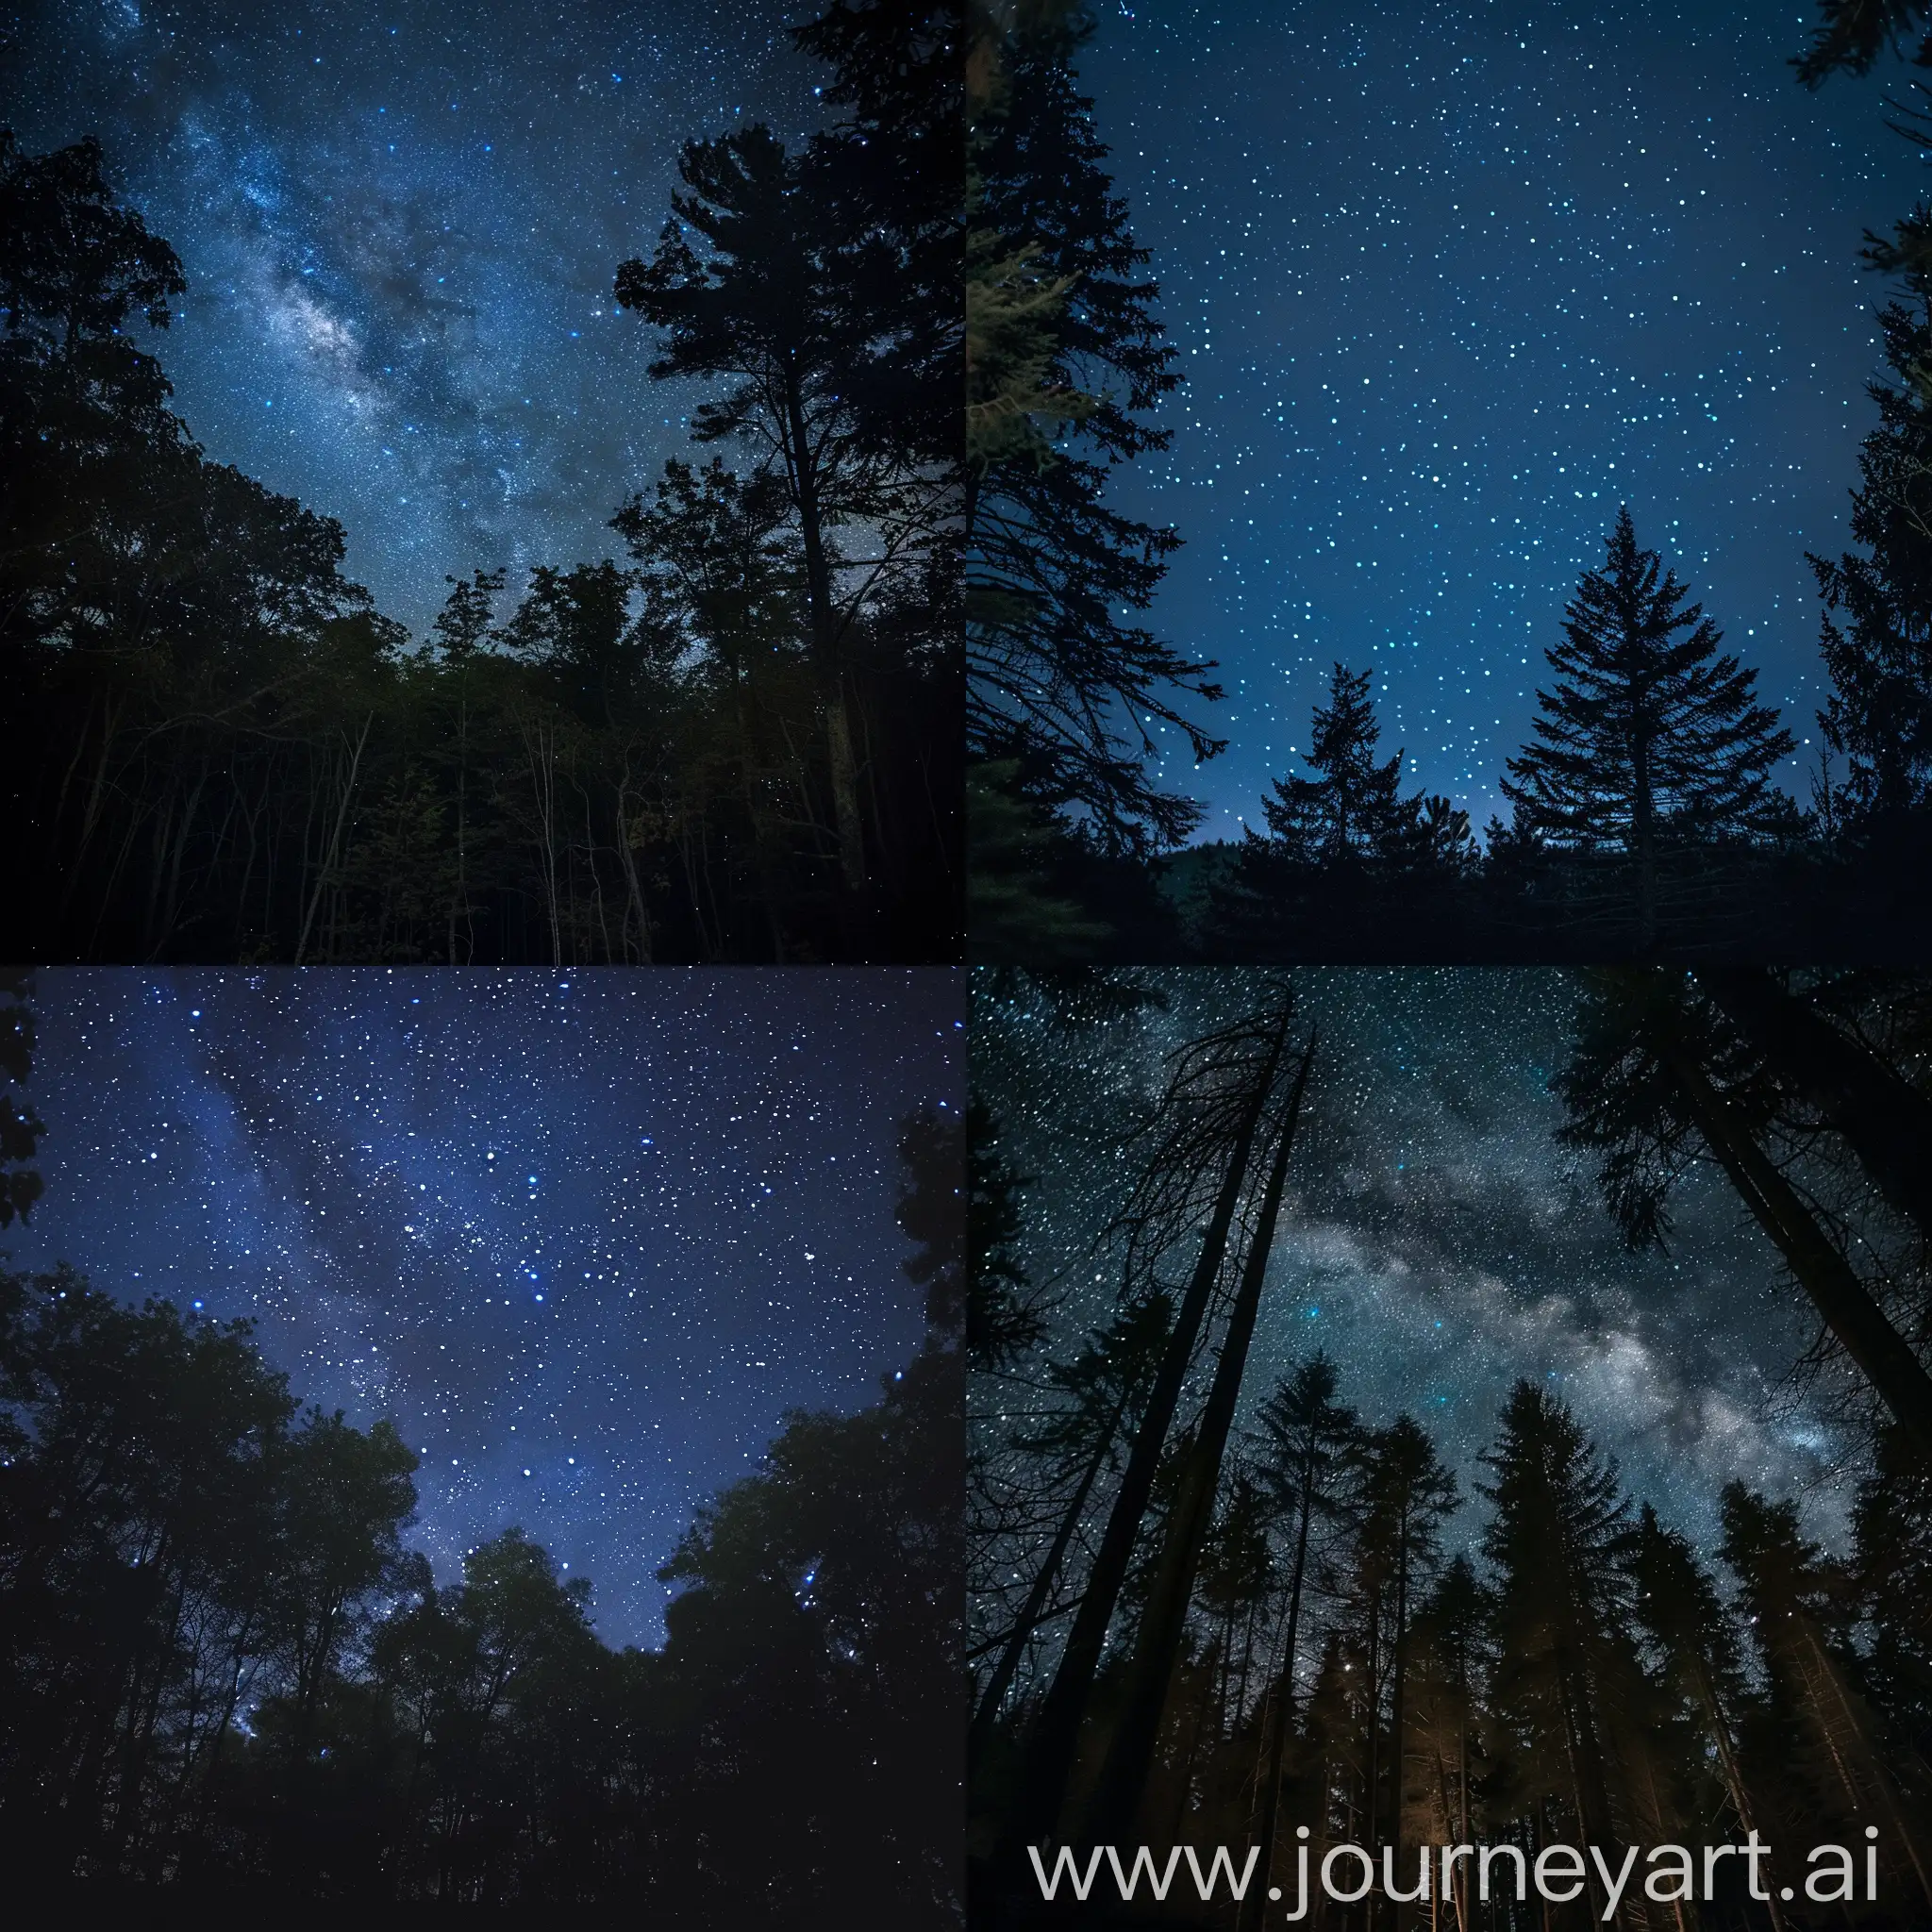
[(1068, 696), (225, 1681), (1590, 1677), (740, 742)]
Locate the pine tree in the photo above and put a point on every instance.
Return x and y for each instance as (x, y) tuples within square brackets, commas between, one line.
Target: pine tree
[(1301, 1439), (1353, 811), (1652, 1082), (1558, 1542), (1853, 34), (1796, 1602), (1069, 343), (1649, 739), (1348, 862), (1876, 629)]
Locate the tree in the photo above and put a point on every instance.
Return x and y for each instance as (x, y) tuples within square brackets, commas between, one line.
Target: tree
[(1649, 739), (20, 1126), (1347, 860), (1205, 1137), (1651, 1084), (1680, 1611), (1791, 1596), (1061, 680), (1558, 1541), (1352, 812), (1853, 34), (1876, 628), (1303, 1438)]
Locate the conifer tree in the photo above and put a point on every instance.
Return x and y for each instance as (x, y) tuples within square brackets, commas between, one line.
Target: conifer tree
[(1876, 631), (1648, 737), (1301, 1439), (1061, 680), (1558, 1542), (1352, 812), (1795, 1600)]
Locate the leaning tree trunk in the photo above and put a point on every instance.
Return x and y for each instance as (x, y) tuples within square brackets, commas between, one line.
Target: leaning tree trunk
[(1123, 1774), (1884, 1120), (1055, 1740), (1031, 1613), (1845, 1304)]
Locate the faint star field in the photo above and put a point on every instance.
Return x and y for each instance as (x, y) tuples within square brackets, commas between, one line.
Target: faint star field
[(1452, 281), (586, 1238)]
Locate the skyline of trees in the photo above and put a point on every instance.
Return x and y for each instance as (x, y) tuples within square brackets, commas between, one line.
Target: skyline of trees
[(228, 1680), (1361, 1642), (739, 743), (1602, 857)]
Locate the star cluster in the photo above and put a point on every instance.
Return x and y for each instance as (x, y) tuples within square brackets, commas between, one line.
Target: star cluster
[(586, 1238), (1438, 1242), (400, 226), (1453, 279)]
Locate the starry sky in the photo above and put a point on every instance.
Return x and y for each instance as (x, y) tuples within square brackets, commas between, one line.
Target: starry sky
[(1451, 279), (400, 223), (1438, 1243), (586, 1238)]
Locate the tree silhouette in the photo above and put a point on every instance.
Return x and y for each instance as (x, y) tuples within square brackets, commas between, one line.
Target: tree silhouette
[(1648, 737), (1069, 359)]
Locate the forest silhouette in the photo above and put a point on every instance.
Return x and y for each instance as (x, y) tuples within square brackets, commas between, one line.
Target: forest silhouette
[(228, 1683), (1643, 821), (741, 741), (1208, 1612)]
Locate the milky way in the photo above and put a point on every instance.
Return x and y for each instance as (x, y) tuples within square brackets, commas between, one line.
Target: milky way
[(587, 1238), (1440, 1244), (1450, 283), (400, 226)]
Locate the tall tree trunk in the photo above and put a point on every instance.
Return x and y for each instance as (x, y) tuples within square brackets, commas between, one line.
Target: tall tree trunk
[(827, 653), (335, 839), (1719, 1721), (1124, 1775), (1055, 1740), (1886, 1121), (1007, 1668), (1280, 1715), (1841, 1298)]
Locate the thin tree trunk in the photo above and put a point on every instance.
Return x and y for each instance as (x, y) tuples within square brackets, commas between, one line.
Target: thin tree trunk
[(1131, 1752), (335, 840), (1280, 1715), (1009, 1665), (1056, 1734)]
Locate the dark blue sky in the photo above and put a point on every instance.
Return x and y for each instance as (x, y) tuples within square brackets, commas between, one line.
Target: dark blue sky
[(1450, 282), (400, 223), (587, 1238)]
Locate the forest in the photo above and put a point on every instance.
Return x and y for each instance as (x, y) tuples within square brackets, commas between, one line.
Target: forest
[(1643, 820), (228, 1683), (737, 741), (1213, 1606)]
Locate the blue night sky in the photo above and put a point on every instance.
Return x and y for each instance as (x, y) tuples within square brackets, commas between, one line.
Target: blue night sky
[(400, 224), (586, 1238), (1450, 282)]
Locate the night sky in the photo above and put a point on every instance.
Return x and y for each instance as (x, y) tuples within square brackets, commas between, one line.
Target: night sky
[(586, 1238), (400, 224), (1440, 1244), (1450, 282)]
